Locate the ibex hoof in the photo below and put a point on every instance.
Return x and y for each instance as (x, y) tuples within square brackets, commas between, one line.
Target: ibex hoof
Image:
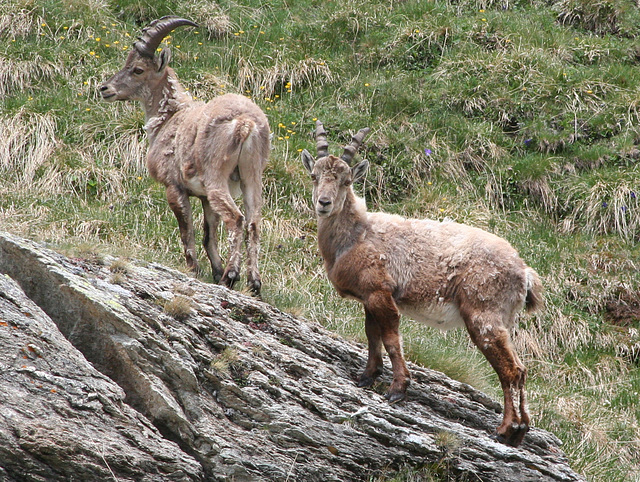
[(255, 286), (394, 397), (194, 269), (217, 275), (366, 381), (230, 278), (513, 436)]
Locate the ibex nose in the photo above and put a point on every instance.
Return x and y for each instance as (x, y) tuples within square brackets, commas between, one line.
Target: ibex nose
[(324, 202), (106, 92)]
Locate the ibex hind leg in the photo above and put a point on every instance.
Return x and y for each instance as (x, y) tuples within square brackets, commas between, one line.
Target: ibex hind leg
[(222, 203), (251, 184), (210, 239), (493, 340)]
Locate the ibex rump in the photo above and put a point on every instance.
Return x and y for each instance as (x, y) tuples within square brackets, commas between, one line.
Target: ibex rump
[(443, 274), (198, 149)]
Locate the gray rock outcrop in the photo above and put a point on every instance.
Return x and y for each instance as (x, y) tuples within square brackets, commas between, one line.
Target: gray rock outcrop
[(114, 371)]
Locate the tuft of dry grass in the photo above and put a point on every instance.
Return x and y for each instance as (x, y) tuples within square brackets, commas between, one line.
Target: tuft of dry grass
[(179, 307), (447, 441), (117, 278), (225, 360), (120, 266), (21, 75), (27, 143), (282, 76), (608, 204), (18, 20), (210, 16), (598, 16)]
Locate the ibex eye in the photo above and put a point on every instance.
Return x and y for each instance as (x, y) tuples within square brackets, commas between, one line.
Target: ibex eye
[(314, 177), (138, 70)]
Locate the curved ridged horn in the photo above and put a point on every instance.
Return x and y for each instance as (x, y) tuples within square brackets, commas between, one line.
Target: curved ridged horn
[(322, 146), (157, 30), (351, 149)]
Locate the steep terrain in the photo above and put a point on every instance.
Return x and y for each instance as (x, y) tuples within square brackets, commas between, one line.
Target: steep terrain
[(113, 370)]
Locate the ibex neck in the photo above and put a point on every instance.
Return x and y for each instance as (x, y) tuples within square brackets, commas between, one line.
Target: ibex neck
[(164, 101), (337, 234)]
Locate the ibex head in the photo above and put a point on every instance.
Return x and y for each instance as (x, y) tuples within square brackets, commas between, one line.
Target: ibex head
[(333, 175), (143, 68)]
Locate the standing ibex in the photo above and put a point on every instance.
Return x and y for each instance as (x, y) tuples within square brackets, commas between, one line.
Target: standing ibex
[(443, 274), (198, 149)]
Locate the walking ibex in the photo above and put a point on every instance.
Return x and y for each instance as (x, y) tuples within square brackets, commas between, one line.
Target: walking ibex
[(443, 274), (199, 149)]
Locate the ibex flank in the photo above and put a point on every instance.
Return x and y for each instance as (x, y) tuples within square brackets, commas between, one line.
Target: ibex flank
[(443, 274), (199, 149)]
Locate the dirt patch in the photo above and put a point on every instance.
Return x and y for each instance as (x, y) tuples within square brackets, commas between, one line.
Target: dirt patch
[(624, 311)]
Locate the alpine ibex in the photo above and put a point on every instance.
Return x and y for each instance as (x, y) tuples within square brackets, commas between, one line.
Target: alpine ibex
[(199, 149), (443, 274)]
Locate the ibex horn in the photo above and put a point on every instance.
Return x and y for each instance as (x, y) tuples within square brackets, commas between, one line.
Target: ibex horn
[(157, 30), (351, 149), (322, 146)]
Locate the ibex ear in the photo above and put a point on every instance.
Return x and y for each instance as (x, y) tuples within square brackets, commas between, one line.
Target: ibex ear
[(163, 59), (359, 170), (308, 160)]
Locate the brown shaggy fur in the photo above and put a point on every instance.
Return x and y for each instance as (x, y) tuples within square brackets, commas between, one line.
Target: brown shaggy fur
[(443, 274), (202, 150)]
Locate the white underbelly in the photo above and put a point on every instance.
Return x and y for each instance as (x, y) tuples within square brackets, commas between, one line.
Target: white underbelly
[(195, 187), (444, 316)]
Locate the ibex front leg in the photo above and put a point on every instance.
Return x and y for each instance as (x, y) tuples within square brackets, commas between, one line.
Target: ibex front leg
[(381, 309), (181, 207), (374, 363)]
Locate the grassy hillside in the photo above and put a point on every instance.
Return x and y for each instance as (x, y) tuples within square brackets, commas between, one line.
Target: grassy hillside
[(519, 117)]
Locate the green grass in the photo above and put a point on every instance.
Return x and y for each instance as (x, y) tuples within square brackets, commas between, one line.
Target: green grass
[(517, 117)]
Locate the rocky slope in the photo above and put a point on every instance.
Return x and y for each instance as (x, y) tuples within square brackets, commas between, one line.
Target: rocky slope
[(122, 372)]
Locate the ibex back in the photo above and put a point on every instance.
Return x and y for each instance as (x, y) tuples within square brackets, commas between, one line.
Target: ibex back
[(198, 149), (443, 274)]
